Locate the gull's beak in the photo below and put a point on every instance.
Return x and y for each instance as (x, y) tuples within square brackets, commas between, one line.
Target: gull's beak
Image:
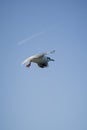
[(28, 65)]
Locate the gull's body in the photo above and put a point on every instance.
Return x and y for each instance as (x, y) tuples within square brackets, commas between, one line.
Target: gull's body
[(40, 59)]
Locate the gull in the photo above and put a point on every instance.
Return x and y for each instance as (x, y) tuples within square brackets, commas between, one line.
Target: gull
[(40, 59)]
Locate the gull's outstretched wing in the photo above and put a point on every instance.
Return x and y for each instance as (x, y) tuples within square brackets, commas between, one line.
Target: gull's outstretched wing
[(43, 54), (49, 52)]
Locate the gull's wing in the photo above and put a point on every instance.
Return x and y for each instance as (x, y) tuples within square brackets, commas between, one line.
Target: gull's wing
[(43, 54), (49, 52), (43, 65)]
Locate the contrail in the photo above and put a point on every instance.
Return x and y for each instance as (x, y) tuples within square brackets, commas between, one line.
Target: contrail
[(29, 38)]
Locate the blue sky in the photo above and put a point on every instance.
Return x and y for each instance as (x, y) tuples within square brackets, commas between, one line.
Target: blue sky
[(54, 98)]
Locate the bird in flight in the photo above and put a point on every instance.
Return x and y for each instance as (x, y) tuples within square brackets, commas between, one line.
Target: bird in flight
[(40, 59)]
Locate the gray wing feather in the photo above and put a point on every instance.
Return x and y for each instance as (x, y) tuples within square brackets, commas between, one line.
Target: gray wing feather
[(42, 54)]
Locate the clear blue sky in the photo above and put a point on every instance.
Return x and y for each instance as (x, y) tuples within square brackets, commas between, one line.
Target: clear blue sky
[(54, 98)]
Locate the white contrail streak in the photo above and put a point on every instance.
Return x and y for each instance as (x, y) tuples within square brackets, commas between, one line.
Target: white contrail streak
[(29, 38)]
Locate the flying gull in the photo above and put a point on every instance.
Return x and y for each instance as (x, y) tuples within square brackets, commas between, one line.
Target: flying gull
[(40, 59)]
